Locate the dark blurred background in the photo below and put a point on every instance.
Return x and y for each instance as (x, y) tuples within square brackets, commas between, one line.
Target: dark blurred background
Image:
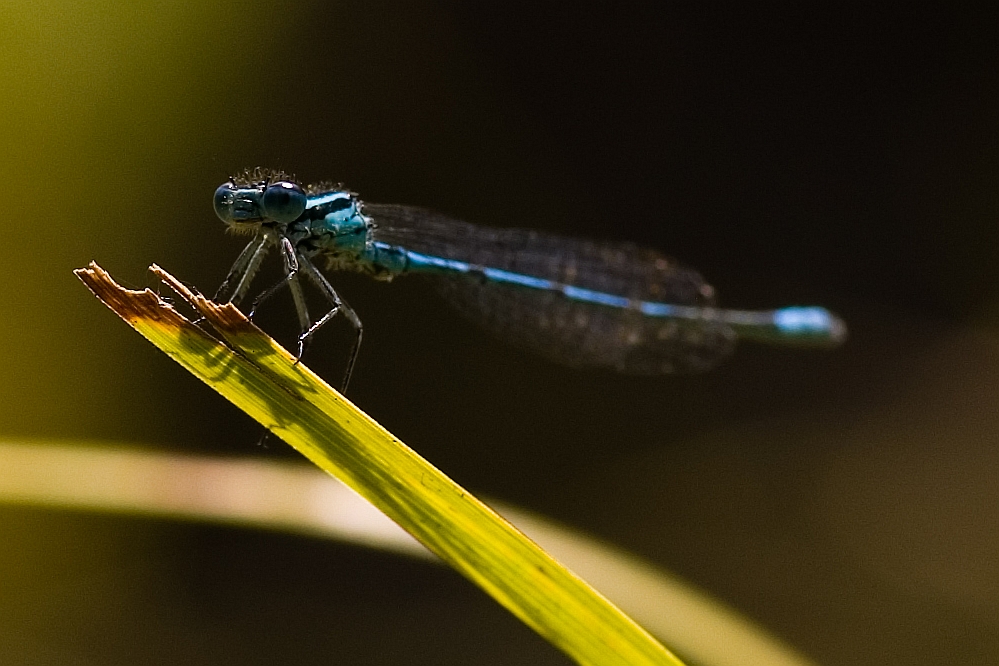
[(795, 155)]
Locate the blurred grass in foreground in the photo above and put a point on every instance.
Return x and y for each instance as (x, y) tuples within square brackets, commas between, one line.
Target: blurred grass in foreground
[(294, 498)]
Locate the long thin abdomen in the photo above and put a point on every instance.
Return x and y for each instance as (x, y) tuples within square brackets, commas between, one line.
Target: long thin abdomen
[(567, 330)]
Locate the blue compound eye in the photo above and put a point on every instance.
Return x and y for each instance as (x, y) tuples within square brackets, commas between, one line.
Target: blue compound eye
[(224, 200), (283, 201)]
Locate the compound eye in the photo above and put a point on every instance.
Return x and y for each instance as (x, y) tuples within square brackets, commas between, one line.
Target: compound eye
[(224, 198), (283, 201)]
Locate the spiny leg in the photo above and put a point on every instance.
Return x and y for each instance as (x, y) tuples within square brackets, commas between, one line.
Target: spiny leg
[(251, 271), (291, 271), (237, 270), (302, 310), (234, 287), (246, 266), (338, 305)]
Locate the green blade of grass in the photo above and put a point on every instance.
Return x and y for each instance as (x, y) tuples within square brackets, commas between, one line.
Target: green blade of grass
[(260, 377)]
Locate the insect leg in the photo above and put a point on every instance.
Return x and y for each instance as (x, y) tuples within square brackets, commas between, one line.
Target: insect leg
[(234, 287), (291, 271), (338, 305)]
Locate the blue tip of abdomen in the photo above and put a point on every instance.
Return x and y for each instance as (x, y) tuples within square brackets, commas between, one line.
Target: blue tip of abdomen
[(810, 324)]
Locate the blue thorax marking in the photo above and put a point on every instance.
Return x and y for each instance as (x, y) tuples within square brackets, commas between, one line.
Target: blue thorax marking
[(333, 222), (317, 200)]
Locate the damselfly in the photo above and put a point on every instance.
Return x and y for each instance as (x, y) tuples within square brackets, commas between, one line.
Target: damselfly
[(577, 302)]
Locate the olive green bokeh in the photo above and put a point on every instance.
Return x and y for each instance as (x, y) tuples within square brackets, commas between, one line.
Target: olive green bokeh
[(846, 501)]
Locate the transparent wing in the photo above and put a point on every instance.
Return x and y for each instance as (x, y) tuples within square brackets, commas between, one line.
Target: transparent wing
[(568, 331)]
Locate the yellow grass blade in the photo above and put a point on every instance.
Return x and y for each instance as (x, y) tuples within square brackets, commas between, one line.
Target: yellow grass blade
[(260, 377)]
